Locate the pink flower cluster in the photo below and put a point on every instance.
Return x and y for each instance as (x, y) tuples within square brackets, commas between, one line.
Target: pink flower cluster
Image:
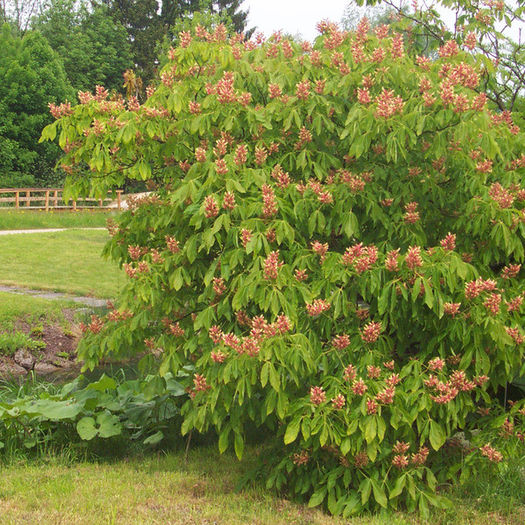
[(474, 288), (515, 334), (449, 49), (514, 305), (388, 104), (301, 275), (354, 182), (370, 332), (511, 271), (361, 257), (317, 307), (317, 395), (269, 202), (341, 341), (413, 257), (386, 396), (303, 90), (500, 195), (228, 201), (359, 387), (282, 177), (449, 242), (211, 209), (451, 309), (446, 392), (272, 265), (392, 260), (172, 244), (338, 402), (492, 303), (320, 249), (411, 214), (241, 155), (63, 110)]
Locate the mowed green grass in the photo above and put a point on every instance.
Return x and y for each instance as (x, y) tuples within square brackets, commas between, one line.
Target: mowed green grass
[(15, 307), (67, 261), (35, 219), (168, 490)]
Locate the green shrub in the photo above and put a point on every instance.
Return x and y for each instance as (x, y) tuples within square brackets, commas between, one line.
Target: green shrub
[(334, 249)]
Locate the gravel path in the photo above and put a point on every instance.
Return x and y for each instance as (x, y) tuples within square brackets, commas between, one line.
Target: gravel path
[(44, 294), (45, 230)]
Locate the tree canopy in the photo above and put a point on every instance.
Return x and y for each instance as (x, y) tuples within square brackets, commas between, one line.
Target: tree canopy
[(94, 47), (31, 76)]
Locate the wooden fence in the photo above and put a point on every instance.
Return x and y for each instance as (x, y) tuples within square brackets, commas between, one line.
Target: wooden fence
[(52, 199)]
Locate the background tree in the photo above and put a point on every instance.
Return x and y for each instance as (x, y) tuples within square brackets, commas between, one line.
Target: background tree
[(147, 23), (31, 76), (93, 46)]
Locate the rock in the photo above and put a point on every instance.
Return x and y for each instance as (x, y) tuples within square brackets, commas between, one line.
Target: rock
[(24, 359), (45, 368), (8, 370)]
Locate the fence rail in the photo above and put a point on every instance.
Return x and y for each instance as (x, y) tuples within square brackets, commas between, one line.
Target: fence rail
[(52, 199)]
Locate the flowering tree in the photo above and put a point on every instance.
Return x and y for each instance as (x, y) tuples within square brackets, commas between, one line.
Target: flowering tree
[(332, 252), (490, 28)]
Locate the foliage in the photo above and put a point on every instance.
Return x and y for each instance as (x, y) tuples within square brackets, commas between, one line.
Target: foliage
[(11, 342), (335, 246), (94, 48), (490, 29), (141, 409), (31, 77)]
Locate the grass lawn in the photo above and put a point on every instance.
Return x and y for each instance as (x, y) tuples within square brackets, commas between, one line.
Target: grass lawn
[(14, 307), (165, 489), (33, 219), (67, 261)]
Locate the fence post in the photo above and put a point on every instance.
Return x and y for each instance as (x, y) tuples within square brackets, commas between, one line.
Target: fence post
[(56, 198), (28, 198), (119, 192), (47, 200), (17, 199)]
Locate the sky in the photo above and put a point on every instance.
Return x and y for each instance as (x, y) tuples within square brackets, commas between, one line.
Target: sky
[(293, 16), (299, 17)]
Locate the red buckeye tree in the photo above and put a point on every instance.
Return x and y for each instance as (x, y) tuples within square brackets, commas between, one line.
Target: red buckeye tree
[(332, 252)]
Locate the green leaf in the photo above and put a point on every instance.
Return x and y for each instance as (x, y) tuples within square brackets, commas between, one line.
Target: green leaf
[(238, 445), (437, 435), (109, 425), (223, 439), (275, 380), (379, 493), (365, 489), (398, 487), (54, 410), (154, 438), (370, 429), (86, 428), (292, 430), (317, 497)]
